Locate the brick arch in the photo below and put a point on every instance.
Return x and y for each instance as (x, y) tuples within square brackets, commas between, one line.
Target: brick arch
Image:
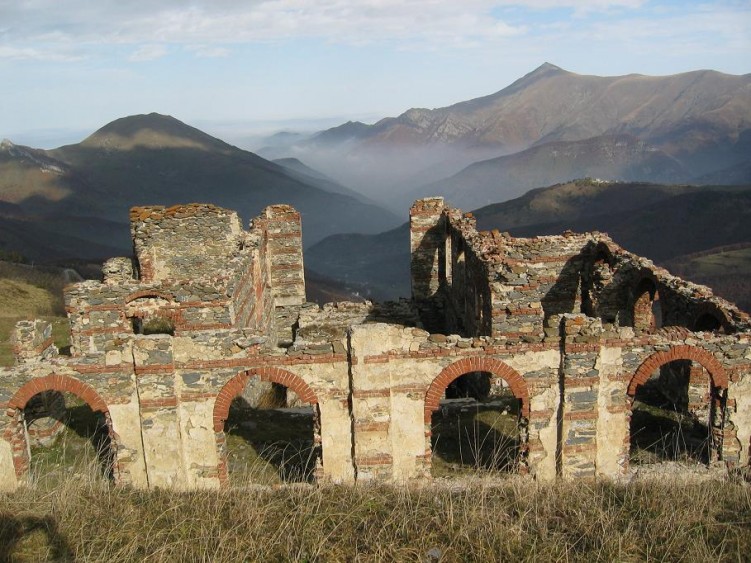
[(235, 386), (646, 369), (466, 365), (714, 311), (149, 293), (62, 383)]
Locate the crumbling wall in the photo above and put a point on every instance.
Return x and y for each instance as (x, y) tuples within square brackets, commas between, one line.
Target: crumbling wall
[(476, 283), (184, 241), (629, 290), (31, 341), (184, 290), (536, 279), (466, 285)]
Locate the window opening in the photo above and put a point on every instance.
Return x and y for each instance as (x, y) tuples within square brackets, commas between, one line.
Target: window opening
[(65, 436), (271, 436), (477, 427)]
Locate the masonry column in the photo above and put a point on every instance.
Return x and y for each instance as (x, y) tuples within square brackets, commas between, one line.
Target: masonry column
[(371, 401), (32, 341), (160, 425), (427, 233), (580, 383), (284, 252)]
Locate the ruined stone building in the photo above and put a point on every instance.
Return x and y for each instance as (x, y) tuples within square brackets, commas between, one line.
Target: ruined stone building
[(570, 326)]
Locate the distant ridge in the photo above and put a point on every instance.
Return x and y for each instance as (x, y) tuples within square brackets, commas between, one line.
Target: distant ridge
[(698, 124), (622, 157), (157, 159), (151, 130), (661, 222)]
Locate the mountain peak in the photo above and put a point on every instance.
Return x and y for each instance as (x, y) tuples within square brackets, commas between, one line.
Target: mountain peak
[(547, 67), (542, 71), (153, 130)]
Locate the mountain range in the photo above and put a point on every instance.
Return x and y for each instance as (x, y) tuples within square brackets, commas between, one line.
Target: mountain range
[(73, 201), (547, 127), (646, 138)]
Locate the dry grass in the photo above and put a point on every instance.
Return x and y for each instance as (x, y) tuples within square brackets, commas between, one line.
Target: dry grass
[(513, 520), (471, 437)]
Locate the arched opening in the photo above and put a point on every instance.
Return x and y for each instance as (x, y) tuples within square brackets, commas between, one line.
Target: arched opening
[(647, 311), (270, 431), (150, 314), (65, 430), (476, 419), (153, 325), (707, 323), (711, 318), (677, 410)]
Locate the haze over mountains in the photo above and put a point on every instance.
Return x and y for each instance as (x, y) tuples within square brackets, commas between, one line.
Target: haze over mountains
[(680, 128), (73, 201), (354, 182)]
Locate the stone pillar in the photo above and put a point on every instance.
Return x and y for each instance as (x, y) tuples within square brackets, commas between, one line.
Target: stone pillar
[(8, 479), (614, 412), (118, 270), (371, 403), (699, 392), (427, 264), (580, 382), (284, 254), (32, 341), (158, 402)]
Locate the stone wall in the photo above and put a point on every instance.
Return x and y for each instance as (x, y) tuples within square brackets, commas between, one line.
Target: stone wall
[(561, 322), (184, 241)]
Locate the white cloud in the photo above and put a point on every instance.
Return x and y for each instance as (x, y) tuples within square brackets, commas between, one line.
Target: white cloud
[(36, 54), (148, 53), (209, 51), (686, 33), (227, 22), (212, 28)]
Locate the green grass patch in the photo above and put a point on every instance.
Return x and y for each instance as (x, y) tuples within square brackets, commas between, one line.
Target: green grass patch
[(81, 448), (722, 263)]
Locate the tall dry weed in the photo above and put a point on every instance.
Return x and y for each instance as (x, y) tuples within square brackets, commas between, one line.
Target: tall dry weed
[(491, 520)]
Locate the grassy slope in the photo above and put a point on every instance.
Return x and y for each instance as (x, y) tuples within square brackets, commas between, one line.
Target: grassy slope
[(27, 292), (727, 270)]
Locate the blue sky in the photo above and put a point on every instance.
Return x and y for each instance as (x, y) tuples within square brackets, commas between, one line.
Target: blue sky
[(234, 67)]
